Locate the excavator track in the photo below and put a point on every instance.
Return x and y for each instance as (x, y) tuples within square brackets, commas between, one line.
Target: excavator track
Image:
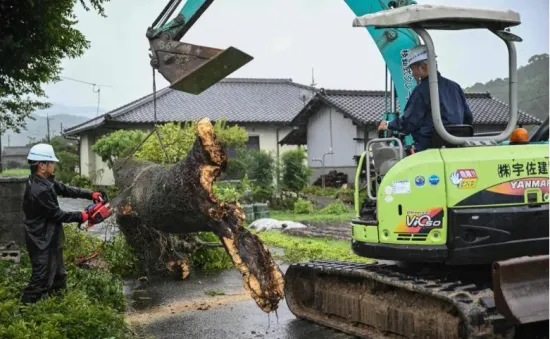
[(388, 301)]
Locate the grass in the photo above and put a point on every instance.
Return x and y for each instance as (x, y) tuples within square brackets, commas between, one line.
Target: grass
[(300, 249), (289, 215), (15, 172)]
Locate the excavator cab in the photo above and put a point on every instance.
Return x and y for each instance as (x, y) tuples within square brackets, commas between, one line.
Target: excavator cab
[(467, 200)]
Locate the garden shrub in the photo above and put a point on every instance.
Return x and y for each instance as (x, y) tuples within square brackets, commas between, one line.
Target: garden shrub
[(335, 208), (210, 258), (302, 206), (295, 171)]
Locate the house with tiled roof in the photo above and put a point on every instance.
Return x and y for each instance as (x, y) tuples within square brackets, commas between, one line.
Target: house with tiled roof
[(278, 114), (264, 107), (15, 157), (344, 120)]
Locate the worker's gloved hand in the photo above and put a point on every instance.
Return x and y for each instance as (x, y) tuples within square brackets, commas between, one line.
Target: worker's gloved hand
[(85, 216), (96, 196), (383, 125)]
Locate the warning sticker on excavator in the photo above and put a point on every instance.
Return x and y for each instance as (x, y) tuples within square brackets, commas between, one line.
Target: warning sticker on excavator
[(464, 178), (401, 187)]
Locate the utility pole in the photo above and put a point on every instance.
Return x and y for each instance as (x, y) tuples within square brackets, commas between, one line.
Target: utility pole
[(9, 140), (313, 84), (48, 123)]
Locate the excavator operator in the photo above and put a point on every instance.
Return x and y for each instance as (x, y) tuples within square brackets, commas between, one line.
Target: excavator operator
[(417, 117)]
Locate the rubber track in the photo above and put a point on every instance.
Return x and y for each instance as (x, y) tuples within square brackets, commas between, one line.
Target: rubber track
[(469, 293)]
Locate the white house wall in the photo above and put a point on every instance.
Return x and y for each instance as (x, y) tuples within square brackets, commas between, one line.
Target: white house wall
[(84, 154), (268, 136), (327, 128)]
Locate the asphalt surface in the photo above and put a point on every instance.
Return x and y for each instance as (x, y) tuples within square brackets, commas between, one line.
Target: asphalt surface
[(212, 306), (204, 306)]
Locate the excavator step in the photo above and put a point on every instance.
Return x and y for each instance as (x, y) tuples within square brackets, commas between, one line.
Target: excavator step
[(388, 301)]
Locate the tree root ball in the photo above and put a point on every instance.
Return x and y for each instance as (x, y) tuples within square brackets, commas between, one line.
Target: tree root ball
[(159, 201)]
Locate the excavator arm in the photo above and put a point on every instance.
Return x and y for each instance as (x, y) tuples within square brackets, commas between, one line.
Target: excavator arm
[(393, 43), (189, 68)]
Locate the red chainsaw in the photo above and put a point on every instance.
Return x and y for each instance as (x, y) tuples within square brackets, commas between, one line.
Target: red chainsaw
[(98, 212)]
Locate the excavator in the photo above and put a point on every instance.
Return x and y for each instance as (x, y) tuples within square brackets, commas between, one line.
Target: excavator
[(459, 231)]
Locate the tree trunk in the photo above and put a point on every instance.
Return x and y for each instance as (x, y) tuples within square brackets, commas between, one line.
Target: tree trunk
[(179, 200)]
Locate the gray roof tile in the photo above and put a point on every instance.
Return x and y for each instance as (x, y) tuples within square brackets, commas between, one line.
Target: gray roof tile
[(368, 106), (234, 99), (244, 100), (16, 151)]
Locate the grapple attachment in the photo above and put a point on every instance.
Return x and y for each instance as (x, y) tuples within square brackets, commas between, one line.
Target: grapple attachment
[(520, 287), (192, 68)]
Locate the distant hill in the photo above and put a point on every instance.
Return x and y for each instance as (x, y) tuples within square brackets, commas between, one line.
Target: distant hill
[(37, 129), (84, 111), (532, 87)]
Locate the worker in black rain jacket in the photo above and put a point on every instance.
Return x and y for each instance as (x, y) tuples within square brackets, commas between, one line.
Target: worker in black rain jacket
[(417, 117), (43, 223)]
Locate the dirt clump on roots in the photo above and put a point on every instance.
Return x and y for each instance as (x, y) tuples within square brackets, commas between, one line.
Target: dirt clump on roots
[(165, 205)]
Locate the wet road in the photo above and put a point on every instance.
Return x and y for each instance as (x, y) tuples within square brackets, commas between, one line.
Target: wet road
[(214, 306), (206, 306)]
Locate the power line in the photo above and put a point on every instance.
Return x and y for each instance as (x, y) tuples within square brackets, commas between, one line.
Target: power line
[(93, 89), (84, 82)]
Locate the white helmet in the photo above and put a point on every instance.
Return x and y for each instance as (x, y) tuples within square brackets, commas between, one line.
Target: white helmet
[(416, 54), (42, 152)]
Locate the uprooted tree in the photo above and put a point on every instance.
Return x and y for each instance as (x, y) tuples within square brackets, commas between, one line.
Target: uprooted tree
[(175, 200)]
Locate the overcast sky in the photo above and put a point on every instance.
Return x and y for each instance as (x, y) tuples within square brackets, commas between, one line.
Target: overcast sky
[(286, 38)]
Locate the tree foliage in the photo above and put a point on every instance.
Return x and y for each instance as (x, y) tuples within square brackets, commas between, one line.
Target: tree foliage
[(176, 138), (295, 170), (36, 36), (117, 144)]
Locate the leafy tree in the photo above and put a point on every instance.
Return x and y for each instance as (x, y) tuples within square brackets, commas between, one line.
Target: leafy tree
[(176, 139), (36, 36), (295, 170), (117, 144)]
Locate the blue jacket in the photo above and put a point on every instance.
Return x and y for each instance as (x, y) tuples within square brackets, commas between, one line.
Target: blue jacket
[(417, 117)]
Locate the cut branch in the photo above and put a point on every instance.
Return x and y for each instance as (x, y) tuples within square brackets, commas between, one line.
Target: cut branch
[(180, 200)]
